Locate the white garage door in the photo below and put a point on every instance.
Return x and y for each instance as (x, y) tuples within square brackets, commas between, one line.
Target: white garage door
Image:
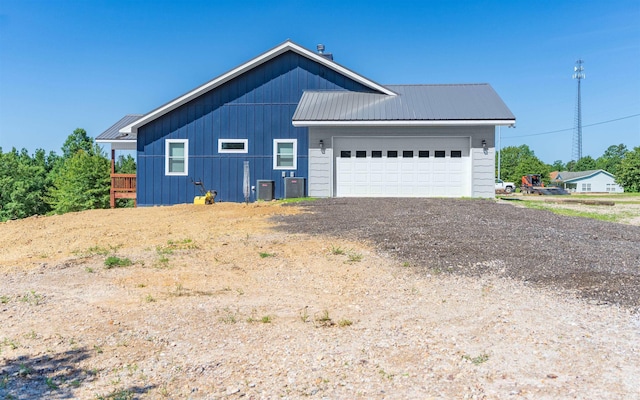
[(402, 167)]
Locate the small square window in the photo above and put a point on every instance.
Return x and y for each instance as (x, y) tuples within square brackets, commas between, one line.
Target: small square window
[(345, 154), (407, 154), (423, 154), (439, 153), (361, 154), (392, 154), (456, 153), (376, 154)]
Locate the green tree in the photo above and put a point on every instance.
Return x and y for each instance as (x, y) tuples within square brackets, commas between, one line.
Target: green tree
[(571, 165), (532, 165), (511, 157), (126, 165), (81, 183), (78, 140), (628, 173), (80, 179), (24, 181), (611, 159), (586, 163), (558, 165)]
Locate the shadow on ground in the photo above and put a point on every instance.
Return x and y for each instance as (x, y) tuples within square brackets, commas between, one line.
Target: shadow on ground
[(54, 376)]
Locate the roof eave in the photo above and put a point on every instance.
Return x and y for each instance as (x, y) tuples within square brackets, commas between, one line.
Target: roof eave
[(469, 122), (261, 59)]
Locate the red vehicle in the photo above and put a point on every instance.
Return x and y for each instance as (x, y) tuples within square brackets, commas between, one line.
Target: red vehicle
[(532, 184)]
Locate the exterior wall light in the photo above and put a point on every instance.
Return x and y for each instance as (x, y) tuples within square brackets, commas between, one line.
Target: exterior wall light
[(322, 145), (484, 144)]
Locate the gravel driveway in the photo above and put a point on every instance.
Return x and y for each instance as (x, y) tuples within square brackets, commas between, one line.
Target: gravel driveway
[(597, 260)]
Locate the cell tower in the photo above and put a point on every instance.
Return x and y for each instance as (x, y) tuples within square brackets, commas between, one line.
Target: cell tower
[(576, 152)]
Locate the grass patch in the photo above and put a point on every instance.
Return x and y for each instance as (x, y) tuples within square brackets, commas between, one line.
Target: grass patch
[(337, 251), (304, 315), (117, 394), (149, 299), (4, 299), (31, 298), (323, 319), (476, 360), (344, 323), (11, 343), (115, 261), (229, 317), (96, 251), (265, 255), (297, 200), (536, 205), (266, 319), (354, 257), (51, 384)]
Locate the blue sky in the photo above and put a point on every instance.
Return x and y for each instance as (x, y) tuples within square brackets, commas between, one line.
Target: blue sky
[(70, 64)]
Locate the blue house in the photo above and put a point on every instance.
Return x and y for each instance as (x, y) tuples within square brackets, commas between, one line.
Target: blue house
[(292, 112)]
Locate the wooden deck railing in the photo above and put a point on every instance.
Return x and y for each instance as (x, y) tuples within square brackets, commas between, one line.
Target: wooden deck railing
[(123, 186)]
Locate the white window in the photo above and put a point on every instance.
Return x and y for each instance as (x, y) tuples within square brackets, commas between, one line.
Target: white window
[(233, 145), (176, 157), (285, 152), (586, 187)]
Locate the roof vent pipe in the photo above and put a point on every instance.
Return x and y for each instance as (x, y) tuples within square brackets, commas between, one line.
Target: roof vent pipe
[(321, 52)]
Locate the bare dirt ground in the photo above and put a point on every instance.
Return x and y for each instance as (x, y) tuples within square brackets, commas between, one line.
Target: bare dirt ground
[(322, 301)]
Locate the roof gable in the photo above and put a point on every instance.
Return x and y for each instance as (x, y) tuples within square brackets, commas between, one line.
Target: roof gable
[(288, 45), (568, 176)]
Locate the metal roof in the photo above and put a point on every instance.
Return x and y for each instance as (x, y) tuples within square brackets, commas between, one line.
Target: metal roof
[(113, 133), (458, 102), (566, 176)]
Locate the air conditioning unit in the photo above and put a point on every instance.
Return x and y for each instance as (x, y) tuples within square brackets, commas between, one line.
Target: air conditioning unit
[(295, 187), (265, 190)]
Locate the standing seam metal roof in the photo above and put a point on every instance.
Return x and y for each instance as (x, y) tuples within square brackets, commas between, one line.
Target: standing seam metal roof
[(413, 103), (113, 132)]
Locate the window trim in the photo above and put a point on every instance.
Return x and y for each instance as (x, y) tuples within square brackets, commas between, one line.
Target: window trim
[(244, 141), (167, 145), (276, 142)]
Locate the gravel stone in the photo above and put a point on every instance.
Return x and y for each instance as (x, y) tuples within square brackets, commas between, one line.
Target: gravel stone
[(597, 260)]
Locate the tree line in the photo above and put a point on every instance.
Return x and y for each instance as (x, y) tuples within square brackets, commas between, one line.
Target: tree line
[(41, 184), (624, 164)]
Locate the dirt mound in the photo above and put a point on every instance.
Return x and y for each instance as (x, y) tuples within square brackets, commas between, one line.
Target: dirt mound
[(212, 302)]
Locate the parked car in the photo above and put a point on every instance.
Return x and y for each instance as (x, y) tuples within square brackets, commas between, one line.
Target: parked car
[(507, 187)]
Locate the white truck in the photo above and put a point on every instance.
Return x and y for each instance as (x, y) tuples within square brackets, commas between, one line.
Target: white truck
[(507, 187)]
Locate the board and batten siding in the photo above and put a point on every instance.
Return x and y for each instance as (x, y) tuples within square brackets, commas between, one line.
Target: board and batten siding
[(257, 105), (321, 164)]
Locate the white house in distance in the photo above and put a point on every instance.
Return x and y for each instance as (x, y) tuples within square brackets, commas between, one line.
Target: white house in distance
[(594, 181)]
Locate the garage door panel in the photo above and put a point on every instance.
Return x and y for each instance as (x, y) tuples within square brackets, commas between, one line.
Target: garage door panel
[(402, 176)]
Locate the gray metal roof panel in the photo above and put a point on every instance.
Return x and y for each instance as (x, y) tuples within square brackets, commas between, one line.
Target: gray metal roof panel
[(112, 133), (413, 103), (565, 176)]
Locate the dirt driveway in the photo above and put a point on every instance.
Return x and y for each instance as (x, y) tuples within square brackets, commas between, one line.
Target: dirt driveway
[(335, 299)]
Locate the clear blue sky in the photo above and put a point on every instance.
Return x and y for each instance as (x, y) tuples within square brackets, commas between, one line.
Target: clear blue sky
[(69, 64)]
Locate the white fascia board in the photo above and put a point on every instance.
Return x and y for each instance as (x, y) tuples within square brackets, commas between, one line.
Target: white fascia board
[(284, 47), (116, 141), (483, 122), (120, 144)]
